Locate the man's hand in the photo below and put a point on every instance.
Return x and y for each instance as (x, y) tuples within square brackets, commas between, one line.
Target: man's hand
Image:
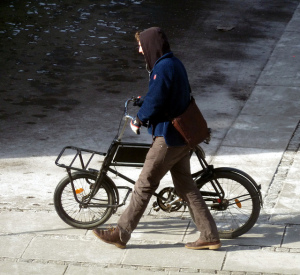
[(139, 101), (135, 126)]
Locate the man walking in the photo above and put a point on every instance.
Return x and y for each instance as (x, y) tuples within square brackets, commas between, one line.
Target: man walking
[(168, 96)]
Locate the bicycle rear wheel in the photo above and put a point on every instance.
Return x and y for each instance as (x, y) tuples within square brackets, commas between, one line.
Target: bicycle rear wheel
[(240, 208), (77, 214)]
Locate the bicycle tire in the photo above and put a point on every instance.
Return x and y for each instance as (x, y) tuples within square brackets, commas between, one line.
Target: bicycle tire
[(244, 205), (71, 212)]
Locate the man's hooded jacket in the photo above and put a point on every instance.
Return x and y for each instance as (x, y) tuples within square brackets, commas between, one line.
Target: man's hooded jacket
[(169, 91)]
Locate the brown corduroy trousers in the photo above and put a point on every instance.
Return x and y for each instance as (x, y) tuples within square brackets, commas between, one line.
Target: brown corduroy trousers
[(159, 160)]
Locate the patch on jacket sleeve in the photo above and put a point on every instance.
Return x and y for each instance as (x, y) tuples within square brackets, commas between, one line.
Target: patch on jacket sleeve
[(154, 77)]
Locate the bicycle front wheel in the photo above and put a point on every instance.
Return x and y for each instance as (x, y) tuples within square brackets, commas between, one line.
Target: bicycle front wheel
[(70, 203), (240, 208)]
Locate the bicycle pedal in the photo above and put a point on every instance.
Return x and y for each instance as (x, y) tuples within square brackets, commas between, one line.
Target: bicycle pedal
[(156, 206)]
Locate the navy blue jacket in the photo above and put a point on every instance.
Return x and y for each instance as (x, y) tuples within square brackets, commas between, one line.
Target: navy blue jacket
[(168, 96)]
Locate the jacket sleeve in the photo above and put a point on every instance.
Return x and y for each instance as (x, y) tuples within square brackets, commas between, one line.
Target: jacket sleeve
[(156, 100)]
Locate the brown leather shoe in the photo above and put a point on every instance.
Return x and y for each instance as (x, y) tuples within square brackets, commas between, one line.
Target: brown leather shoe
[(111, 236), (203, 245)]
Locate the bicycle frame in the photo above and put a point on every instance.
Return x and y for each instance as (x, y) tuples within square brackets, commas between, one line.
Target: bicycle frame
[(127, 154)]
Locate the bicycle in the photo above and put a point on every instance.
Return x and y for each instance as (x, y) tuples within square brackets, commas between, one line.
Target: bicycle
[(87, 197)]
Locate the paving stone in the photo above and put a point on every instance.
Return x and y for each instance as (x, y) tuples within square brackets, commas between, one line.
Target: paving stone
[(259, 131), (73, 250), (35, 222), (18, 268), (292, 237), (262, 261), (261, 235), (13, 246), (284, 56), (166, 255), (287, 207), (263, 99)]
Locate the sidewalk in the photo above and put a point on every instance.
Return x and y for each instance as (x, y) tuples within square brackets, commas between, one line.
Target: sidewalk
[(263, 141)]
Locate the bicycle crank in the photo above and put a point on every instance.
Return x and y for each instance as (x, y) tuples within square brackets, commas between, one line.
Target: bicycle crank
[(168, 200)]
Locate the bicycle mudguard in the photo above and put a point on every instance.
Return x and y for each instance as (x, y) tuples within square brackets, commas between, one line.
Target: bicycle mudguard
[(245, 175), (112, 185), (114, 188)]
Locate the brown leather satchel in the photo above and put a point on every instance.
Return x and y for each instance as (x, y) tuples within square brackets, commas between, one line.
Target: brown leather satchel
[(192, 125)]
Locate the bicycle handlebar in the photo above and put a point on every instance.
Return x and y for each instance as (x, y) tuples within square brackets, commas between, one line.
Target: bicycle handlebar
[(126, 115)]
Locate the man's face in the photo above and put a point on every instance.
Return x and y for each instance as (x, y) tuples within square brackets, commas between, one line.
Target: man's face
[(140, 48)]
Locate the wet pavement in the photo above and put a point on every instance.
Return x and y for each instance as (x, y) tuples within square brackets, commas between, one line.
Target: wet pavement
[(66, 69), (73, 61)]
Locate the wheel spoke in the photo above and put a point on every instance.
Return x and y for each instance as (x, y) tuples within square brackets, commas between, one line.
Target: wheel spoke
[(240, 207), (81, 214)]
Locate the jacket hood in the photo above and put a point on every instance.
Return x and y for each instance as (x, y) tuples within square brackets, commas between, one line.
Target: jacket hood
[(155, 44)]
